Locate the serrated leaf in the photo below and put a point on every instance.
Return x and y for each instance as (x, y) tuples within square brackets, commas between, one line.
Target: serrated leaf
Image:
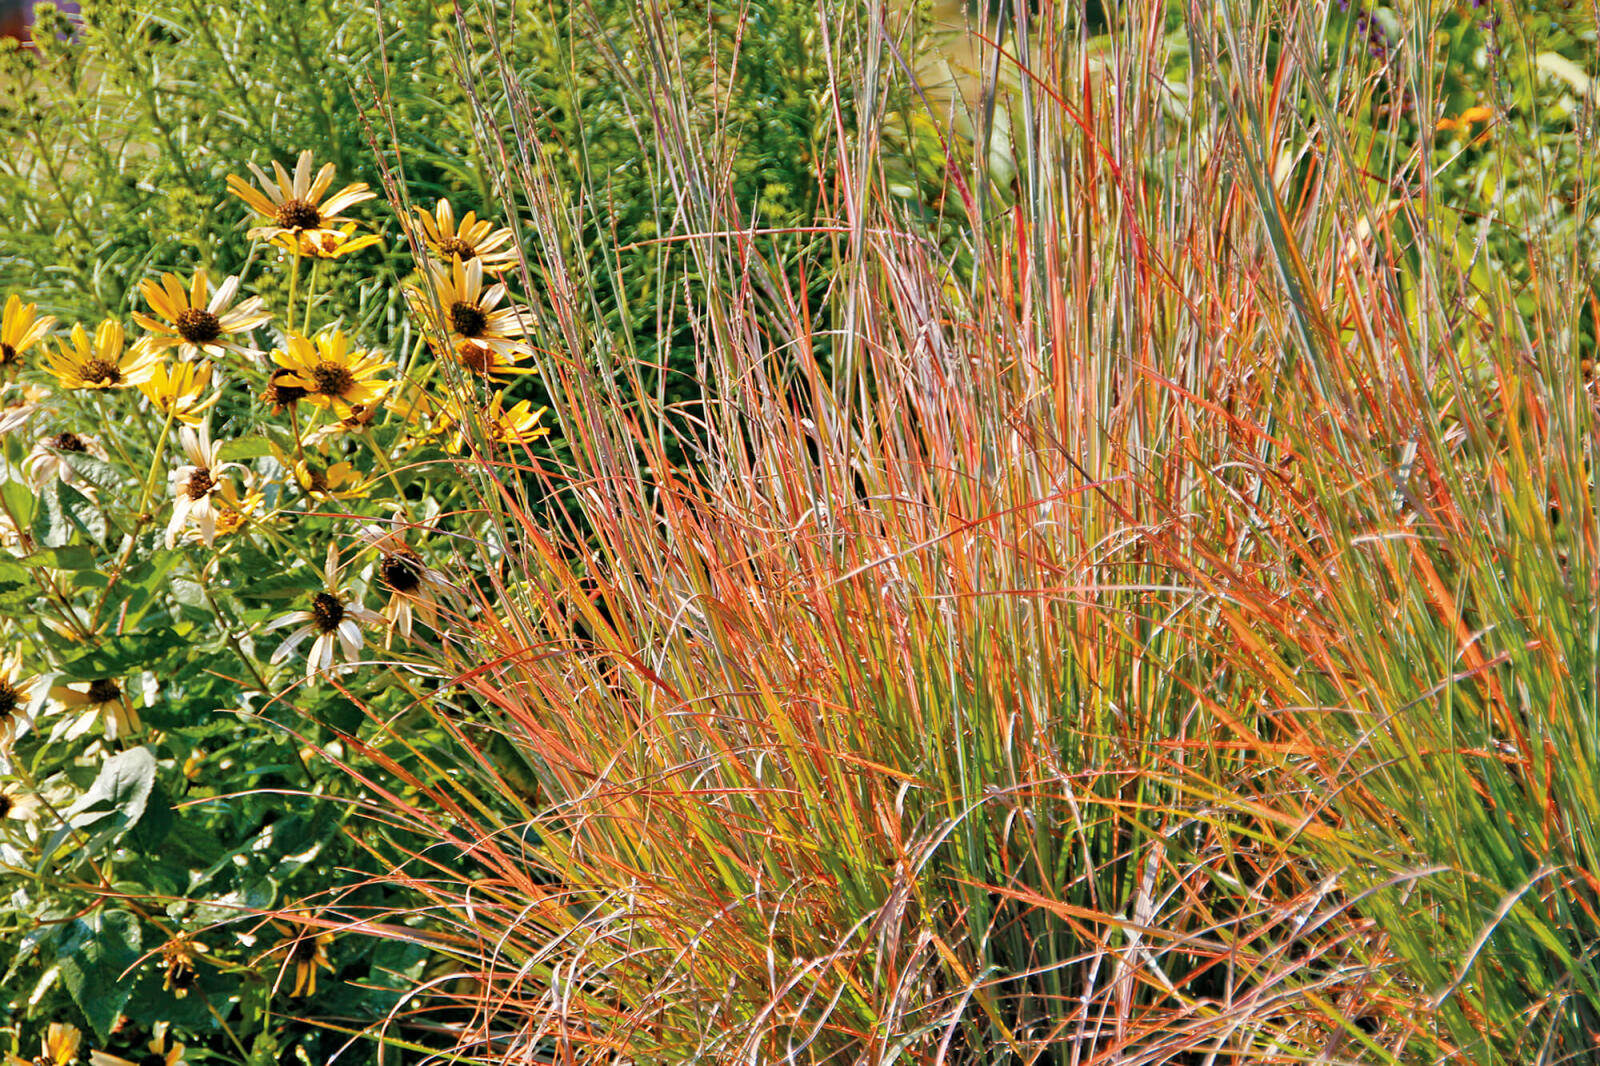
[(94, 956)]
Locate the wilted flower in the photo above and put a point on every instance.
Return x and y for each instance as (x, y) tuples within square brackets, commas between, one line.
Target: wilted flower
[(103, 364), (194, 324), (328, 373), (332, 620), (21, 327), (17, 805), (413, 586), (194, 484), (294, 208), (51, 458), (471, 238), (178, 957), (16, 693)]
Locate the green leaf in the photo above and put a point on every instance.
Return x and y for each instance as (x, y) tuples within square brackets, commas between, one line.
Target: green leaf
[(19, 500), (116, 657), (244, 448), (150, 832), (51, 527), (94, 956), (97, 472), (76, 557), (123, 785)]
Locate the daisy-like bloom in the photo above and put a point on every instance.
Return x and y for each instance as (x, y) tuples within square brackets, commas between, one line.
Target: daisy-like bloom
[(470, 238), (413, 587), (279, 393), (102, 700), (21, 327), (235, 510), (332, 621), (294, 207), (188, 320), (104, 364), (327, 243), (341, 481), (178, 957), (307, 953), (163, 1052), (518, 425), (17, 410), (58, 1047), (194, 484), (16, 693), (51, 458), (17, 805), (329, 373), (482, 336), (179, 390)]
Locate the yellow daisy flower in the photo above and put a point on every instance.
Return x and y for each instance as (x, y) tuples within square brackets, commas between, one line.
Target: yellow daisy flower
[(178, 389), (192, 323), (333, 620), (236, 511), (458, 308), (59, 1047), (329, 372), (104, 364), (163, 1052), (294, 207), (470, 238), (102, 700), (327, 243), (307, 953), (518, 425), (21, 327), (341, 481)]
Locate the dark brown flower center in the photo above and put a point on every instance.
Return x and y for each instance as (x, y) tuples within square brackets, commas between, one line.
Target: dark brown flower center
[(9, 698), (333, 379), (67, 442), (306, 949), (101, 372), (200, 482), (460, 249), (198, 326), (9, 354), (326, 611), (317, 480), (468, 319), (296, 214), (7, 805), (403, 573), (104, 690)]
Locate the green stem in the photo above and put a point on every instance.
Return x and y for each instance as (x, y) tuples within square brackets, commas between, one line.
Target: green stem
[(294, 282), (141, 517), (311, 294)]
